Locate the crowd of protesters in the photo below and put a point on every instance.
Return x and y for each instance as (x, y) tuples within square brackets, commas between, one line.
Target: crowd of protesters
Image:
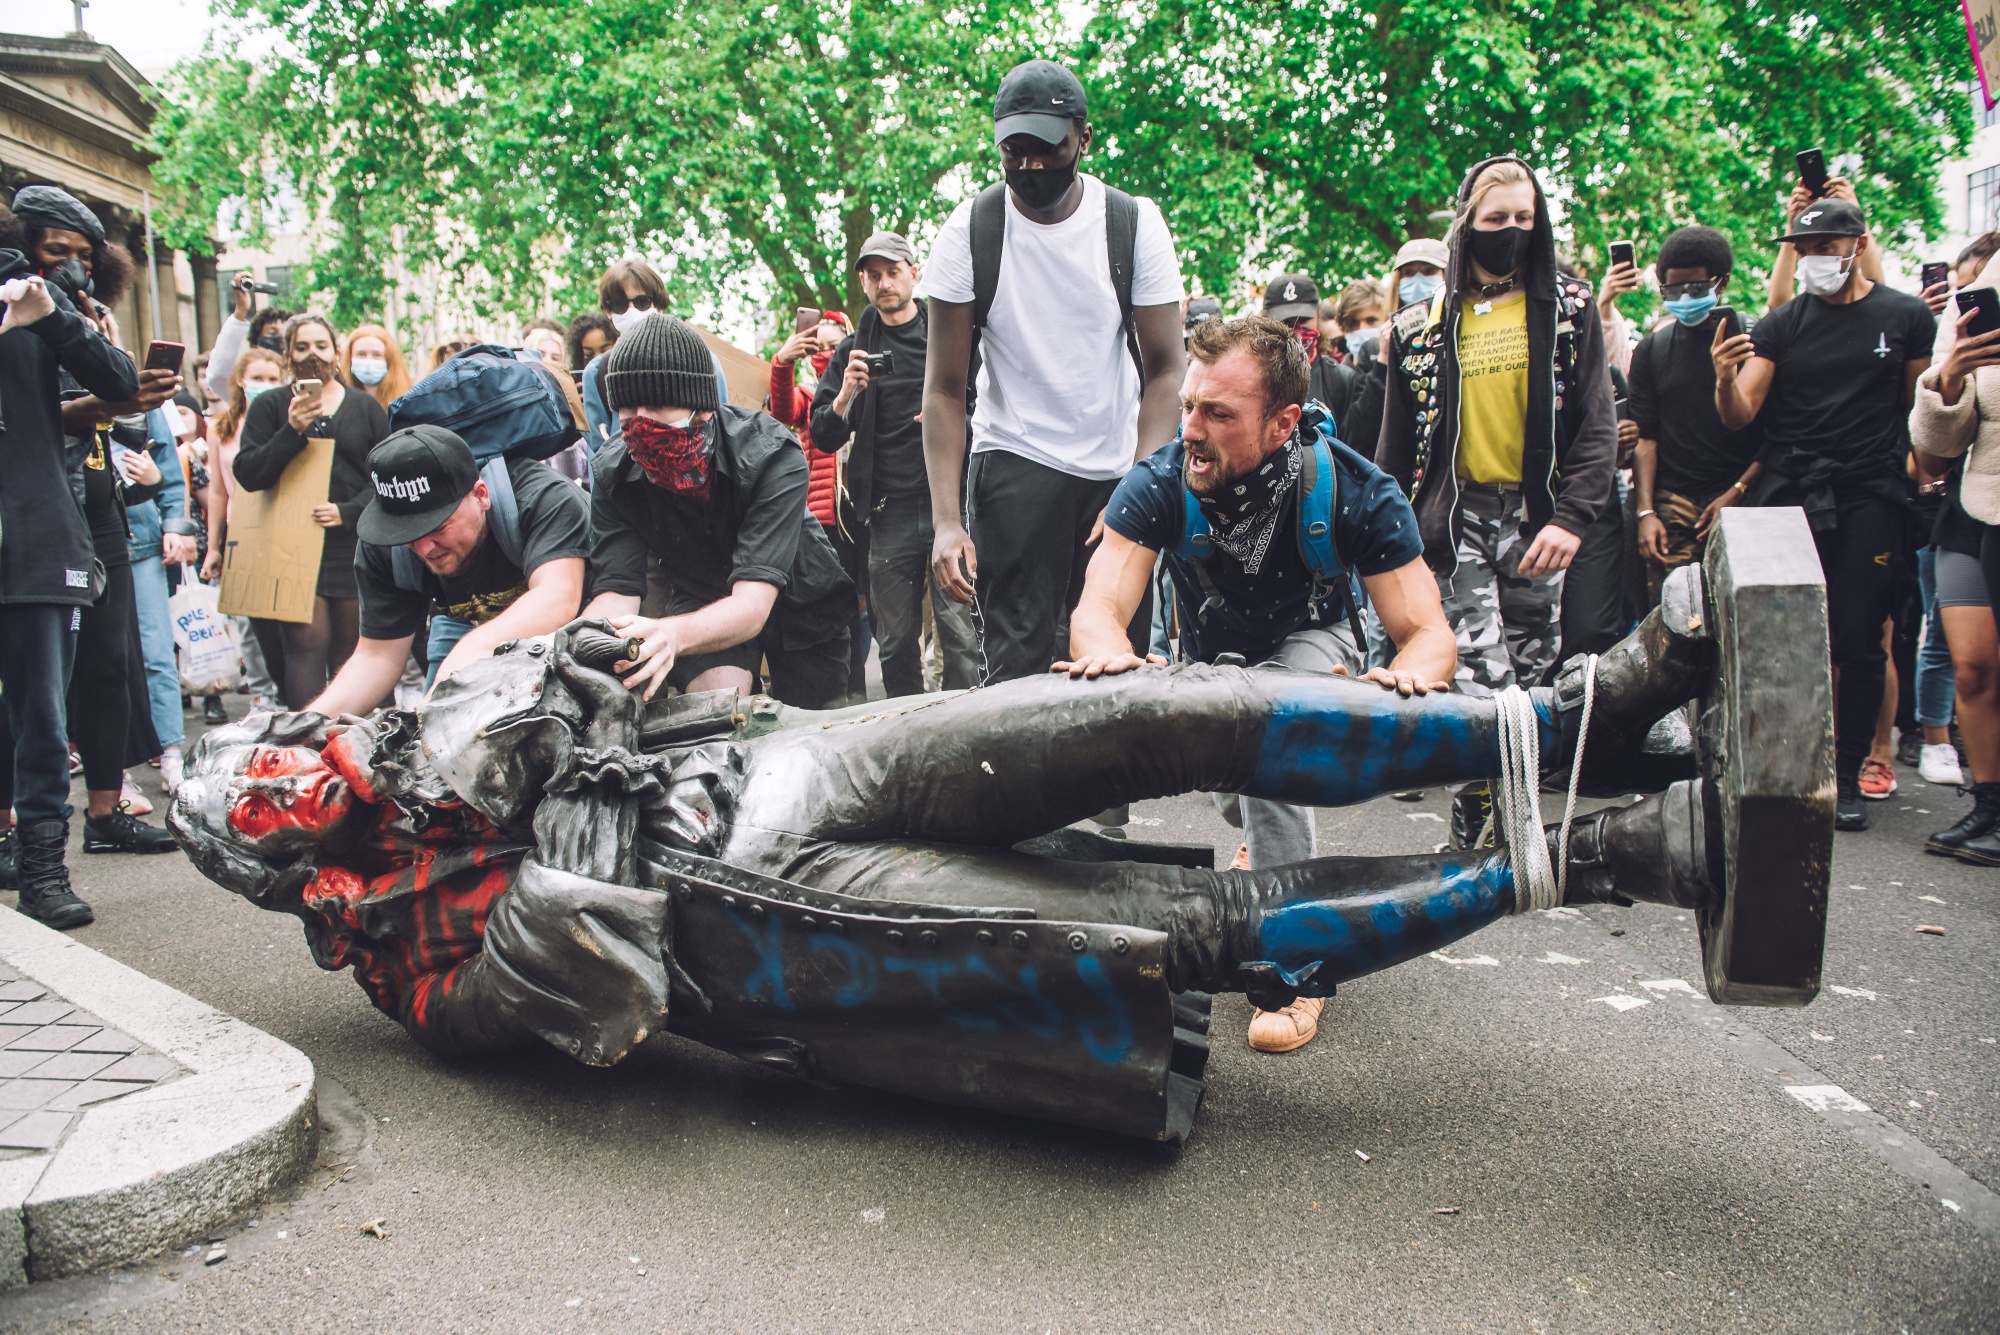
[(1031, 450)]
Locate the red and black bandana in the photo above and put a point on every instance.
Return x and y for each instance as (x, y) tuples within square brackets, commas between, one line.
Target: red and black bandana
[(675, 458)]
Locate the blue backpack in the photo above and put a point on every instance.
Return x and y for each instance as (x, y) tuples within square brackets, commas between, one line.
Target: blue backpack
[(498, 401), (503, 521), (1319, 496)]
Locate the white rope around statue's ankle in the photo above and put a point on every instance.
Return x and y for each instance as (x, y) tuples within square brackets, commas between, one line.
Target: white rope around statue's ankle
[(1517, 807)]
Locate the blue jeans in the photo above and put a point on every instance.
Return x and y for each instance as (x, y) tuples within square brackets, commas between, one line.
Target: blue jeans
[(156, 645), (37, 650), (1936, 694), (445, 633)]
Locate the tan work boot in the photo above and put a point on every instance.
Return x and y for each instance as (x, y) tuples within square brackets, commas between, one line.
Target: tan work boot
[(1283, 1030)]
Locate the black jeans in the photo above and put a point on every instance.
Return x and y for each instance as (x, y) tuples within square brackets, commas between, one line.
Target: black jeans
[(37, 650), (1593, 592), (1863, 558), (1029, 524), (110, 708), (899, 577)]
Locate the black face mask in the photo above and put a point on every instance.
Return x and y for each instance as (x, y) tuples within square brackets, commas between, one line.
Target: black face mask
[(70, 278), (1041, 190), (1501, 251)]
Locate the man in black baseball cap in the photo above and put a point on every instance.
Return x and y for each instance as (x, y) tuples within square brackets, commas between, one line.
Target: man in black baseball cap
[(1830, 377), (1073, 292), (484, 554), (1292, 299)]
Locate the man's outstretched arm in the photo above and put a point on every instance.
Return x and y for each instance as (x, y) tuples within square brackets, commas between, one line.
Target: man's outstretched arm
[(1412, 613), (366, 678), (1113, 587)]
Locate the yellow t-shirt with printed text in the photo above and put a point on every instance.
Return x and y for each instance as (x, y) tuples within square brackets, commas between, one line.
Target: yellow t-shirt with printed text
[(1492, 391)]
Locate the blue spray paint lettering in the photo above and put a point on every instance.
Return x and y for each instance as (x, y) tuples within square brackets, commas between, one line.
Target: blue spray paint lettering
[(770, 970), (861, 976), (1109, 1036)]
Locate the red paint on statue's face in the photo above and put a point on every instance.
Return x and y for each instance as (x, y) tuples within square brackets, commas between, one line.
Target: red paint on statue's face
[(289, 788)]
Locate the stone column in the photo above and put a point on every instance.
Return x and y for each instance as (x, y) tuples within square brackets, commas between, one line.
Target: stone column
[(207, 303)]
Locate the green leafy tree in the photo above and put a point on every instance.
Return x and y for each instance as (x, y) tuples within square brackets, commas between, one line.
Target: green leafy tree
[(1327, 133), (522, 144)]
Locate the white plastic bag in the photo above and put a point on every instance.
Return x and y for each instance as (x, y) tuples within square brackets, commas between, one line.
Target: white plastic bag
[(210, 657)]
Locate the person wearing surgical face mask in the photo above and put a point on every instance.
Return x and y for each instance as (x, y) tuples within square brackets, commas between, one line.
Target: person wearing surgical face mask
[(629, 291), (1687, 467), (1498, 421), (372, 361), (1831, 377)]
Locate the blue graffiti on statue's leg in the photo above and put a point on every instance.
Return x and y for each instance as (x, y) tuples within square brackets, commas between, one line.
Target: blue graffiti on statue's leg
[(770, 970), (934, 972), (1034, 1013), (1331, 743), (861, 972), (1108, 1037), (1359, 934)]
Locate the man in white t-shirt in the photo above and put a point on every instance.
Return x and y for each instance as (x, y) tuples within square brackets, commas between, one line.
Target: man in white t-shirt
[(1062, 409)]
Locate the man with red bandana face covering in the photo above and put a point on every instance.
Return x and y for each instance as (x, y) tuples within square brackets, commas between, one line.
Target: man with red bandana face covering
[(717, 495), (1292, 299)]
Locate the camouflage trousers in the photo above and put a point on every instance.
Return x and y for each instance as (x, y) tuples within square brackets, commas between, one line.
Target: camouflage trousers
[(1507, 623)]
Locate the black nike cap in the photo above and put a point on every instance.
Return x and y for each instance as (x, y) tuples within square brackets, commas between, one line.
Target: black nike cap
[(1038, 98)]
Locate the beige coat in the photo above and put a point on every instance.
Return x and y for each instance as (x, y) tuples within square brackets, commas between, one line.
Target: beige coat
[(1947, 431)]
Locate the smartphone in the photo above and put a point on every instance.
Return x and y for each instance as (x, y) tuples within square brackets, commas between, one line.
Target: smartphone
[(1730, 320), (1812, 171), (1932, 275), (1986, 302), (807, 318), (161, 356), (1622, 252), (306, 388)]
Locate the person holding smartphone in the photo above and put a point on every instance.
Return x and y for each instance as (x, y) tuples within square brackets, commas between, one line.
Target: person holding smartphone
[(1830, 378), (275, 431), (1687, 466)]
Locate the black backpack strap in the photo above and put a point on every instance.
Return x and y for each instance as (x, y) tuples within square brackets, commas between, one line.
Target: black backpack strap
[(989, 236), (1121, 246)]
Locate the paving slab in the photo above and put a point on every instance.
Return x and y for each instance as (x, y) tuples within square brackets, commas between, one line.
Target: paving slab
[(147, 1117)]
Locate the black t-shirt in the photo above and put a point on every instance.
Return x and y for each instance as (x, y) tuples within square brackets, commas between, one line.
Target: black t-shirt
[(754, 526), (1374, 531), (555, 523), (1673, 401), (1837, 392), (103, 510), (268, 444), (899, 437)]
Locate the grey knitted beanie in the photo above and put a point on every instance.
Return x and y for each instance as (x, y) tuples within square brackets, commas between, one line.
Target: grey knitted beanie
[(660, 362)]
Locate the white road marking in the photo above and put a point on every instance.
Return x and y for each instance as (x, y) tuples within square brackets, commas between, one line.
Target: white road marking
[(1618, 1001), (1826, 1098), (1553, 958), (1666, 985), (1861, 992), (1469, 959)]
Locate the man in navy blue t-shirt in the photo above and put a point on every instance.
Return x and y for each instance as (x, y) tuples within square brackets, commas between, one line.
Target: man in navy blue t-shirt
[(1246, 432)]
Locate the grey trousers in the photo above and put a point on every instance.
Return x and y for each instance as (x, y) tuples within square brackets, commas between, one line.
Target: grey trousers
[(1277, 832)]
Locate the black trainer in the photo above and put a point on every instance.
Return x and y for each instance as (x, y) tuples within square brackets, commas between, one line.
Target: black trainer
[(45, 893), (122, 832), (1975, 824), (212, 710), (10, 860), (1472, 817), (1850, 809)]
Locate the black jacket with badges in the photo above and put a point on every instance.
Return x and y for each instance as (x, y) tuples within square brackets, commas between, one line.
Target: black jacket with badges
[(45, 547), (753, 526), (1570, 438)]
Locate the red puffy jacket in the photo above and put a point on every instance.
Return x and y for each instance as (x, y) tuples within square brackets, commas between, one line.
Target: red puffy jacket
[(792, 405)]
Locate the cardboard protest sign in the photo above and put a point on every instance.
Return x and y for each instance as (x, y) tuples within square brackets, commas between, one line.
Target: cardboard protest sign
[(270, 563), (1982, 27)]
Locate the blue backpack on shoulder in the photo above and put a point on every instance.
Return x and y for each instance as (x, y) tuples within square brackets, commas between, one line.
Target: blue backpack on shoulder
[(1319, 496), (497, 400)]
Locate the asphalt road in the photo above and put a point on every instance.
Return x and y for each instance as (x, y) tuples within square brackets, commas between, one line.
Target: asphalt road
[(1635, 1169)]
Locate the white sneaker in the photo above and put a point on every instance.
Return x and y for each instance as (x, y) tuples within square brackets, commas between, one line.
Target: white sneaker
[(132, 799), (1939, 764), (170, 768)]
